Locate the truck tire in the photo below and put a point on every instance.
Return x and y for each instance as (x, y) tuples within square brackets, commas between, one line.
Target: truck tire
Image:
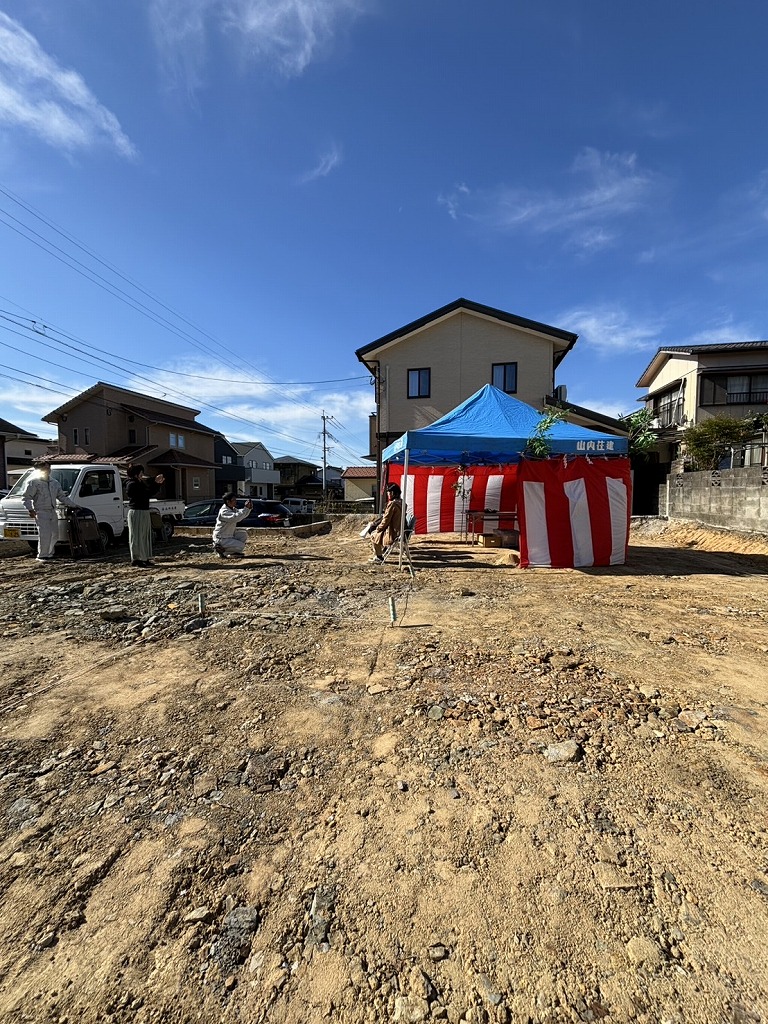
[(166, 530), (106, 535), (32, 546)]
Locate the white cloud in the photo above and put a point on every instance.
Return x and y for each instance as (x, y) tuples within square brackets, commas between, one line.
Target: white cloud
[(613, 187), (285, 35), (721, 333), (284, 416), (327, 162), (25, 404), (611, 331), (49, 101), (607, 408)]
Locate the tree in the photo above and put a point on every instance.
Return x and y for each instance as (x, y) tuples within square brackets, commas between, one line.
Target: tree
[(538, 446), (710, 441), (642, 439)]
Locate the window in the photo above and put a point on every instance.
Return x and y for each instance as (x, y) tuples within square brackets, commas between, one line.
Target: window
[(131, 437), (87, 433), (265, 465), (172, 440), (669, 408), (504, 377), (75, 436), (226, 460), (180, 441), (419, 383), (734, 389), (97, 482)]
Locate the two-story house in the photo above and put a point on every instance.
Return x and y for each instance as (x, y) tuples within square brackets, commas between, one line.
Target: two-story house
[(261, 475), (125, 426), (231, 474), (18, 450), (426, 368), (691, 383)]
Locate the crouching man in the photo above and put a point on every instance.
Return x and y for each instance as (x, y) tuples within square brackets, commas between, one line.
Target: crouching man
[(227, 538)]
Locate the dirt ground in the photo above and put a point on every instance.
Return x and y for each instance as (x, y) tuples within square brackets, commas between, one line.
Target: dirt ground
[(236, 791)]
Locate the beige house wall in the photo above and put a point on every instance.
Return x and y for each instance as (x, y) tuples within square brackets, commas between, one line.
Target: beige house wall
[(673, 370), (359, 487), (459, 352)]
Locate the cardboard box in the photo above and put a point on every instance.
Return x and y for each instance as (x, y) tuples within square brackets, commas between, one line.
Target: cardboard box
[(490, 540)]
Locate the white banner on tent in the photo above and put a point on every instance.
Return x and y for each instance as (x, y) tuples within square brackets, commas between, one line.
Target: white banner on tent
[(463, 484), (434, 496), (581, 526), (618, 502), (536, 520)]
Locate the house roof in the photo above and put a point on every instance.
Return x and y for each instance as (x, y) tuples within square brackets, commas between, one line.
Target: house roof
[(132, 451), (167, 420), (588, 414), (467, 305), (359, 472), (173, 457), (8, 428), (243, 447), (291, 460), (670, 351), (85, 396)]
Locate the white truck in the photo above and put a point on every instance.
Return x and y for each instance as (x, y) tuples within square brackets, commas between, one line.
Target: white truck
[(301, 505), (97, 486)]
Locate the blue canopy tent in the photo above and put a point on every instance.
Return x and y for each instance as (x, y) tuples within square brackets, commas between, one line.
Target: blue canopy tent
[(492, 428), (489, 428)]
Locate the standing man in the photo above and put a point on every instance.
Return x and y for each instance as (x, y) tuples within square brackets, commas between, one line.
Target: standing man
[(227, 538), (40, 497), (138, 492)]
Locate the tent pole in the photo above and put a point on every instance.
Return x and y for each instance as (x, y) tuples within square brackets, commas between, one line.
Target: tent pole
[(403, 509)]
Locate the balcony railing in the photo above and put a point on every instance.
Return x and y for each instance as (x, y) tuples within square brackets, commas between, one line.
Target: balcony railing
[(747, 398), (669, 415)]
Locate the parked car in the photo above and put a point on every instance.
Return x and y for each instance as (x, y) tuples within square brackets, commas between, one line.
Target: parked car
[(263, 513), (304, 506)]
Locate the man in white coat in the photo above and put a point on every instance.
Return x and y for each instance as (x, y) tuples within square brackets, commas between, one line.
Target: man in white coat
[(40, 497), (227, 539)]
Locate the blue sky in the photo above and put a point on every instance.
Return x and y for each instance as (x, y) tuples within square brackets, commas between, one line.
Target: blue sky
[(220, 200)]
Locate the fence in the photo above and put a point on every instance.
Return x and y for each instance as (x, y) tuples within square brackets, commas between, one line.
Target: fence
[(730, 499)]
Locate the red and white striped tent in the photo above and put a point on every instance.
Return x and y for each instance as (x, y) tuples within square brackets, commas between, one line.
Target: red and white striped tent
[(573, 509), (570, 513)]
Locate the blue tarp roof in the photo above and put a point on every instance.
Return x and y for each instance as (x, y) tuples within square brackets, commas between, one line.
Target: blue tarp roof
[(491, 427)]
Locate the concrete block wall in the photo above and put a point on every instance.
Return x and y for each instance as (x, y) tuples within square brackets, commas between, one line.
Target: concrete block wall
[(731, 499)]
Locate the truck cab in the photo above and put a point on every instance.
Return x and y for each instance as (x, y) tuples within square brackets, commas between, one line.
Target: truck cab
[(303, 506)]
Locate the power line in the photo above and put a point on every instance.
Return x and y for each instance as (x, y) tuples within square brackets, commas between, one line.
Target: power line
[(117, 292), (229, 415), (72, 262), (7, 314)]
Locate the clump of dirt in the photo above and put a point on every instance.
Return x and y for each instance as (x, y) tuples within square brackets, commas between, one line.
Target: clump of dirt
[(237, 790)]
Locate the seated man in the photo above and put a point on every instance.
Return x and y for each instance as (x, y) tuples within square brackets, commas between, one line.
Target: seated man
[(227, 539), (387, 528)]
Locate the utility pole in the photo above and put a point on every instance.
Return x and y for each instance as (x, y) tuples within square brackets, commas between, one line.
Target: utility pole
[(325, 452)]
